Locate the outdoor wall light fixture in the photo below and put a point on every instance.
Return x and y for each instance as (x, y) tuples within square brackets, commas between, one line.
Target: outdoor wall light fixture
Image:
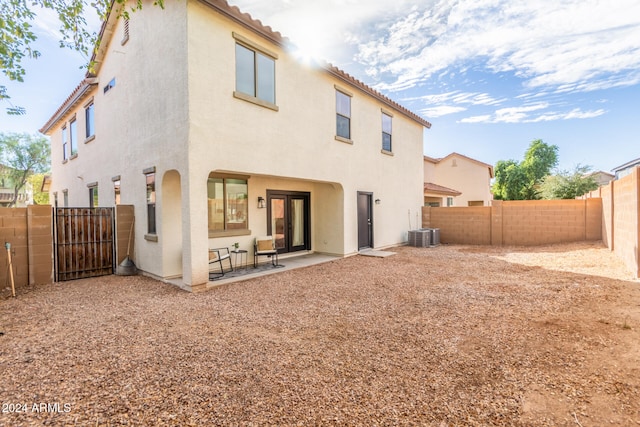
[(261, 202), (377, 201)]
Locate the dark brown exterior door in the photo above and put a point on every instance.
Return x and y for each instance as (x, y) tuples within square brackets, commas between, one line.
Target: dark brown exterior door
[(365, 220)]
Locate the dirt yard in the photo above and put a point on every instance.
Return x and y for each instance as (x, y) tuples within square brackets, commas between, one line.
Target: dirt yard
[(448, 336)]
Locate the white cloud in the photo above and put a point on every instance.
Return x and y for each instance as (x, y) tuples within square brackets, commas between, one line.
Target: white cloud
[(564, 42), (440, 111), (516, 114), (47, 23), (321, 27), (477, 119), (458, 97), (527, 114), (576, 113), (555, 49)]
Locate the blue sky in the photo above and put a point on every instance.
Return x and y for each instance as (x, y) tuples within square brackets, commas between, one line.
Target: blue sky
[(490, 75)]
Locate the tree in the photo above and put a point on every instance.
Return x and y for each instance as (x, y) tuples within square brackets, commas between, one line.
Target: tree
[(521, 181), (17, 37), (39, 197), (22, 155), (568, 185), (510, 180)]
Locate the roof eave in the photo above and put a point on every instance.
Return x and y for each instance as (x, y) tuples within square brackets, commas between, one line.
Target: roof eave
[(76, 96)]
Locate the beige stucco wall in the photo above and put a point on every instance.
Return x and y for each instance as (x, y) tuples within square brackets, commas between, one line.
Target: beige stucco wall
[(140, 123), (173, 109), (298, 141)]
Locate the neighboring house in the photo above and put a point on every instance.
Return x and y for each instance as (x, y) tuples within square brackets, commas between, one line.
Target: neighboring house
[(457, 180), (437, 195), (625, 169), (601, 178), (200, 117), (7, 190)]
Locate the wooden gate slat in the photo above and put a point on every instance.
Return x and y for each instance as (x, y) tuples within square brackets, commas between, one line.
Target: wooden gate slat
[(84, 242)]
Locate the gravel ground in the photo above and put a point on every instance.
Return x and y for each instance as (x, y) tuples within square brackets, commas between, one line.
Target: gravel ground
[(447, 336)]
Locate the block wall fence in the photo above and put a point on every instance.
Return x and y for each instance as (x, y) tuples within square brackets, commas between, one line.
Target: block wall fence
[(610, 214), (519, 223), (621, 218), (29, 231)]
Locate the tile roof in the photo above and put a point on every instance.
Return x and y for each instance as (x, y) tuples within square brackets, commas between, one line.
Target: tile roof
[(78, 94), (430, 187), (244, 19)]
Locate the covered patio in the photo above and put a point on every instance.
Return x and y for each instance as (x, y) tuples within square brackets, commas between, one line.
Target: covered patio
[(242, 273)]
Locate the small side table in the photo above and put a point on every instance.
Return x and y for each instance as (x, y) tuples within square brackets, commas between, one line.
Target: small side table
[(243, 258)]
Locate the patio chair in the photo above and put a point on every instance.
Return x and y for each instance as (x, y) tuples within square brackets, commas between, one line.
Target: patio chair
[(217, 256), (265, 246)]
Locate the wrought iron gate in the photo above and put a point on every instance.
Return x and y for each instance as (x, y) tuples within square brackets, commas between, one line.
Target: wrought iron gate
[(84, 243)]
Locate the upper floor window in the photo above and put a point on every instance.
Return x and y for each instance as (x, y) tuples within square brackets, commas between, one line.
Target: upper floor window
[(255, 73), (386, 132), (109, 85), (227, 203), (343, 115), (89, 122), (65, 144), (73, 137)]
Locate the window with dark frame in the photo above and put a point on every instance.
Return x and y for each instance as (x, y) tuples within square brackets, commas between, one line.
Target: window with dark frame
[(255, 74), (386, 132), (227, 199), (151, 202), (343, 115)]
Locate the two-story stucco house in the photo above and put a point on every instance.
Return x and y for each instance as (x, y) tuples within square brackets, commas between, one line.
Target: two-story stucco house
[(457, 180), (201, 118)]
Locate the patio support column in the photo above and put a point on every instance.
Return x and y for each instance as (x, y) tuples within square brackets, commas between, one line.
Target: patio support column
[(195, 236)]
